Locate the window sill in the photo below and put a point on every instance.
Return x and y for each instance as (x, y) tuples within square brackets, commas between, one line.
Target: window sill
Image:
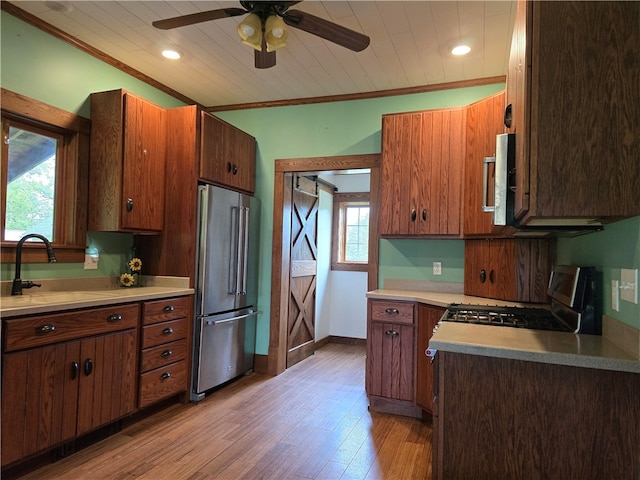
[(350, 267)]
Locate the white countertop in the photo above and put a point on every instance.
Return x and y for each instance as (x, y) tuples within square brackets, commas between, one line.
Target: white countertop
[(440, 299), (95, 295), (589, 351)]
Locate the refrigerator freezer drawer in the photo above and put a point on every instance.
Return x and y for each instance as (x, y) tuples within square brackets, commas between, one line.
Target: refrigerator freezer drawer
[(226, 349)]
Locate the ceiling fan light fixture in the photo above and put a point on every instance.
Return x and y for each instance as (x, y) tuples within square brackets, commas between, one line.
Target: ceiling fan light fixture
[(275, 33), (250, 31), (171, 54)]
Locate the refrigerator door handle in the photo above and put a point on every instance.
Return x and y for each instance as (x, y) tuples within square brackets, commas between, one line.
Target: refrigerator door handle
[(239, 251), (234, 254), (245, 249), (203, 241), (233, 319)]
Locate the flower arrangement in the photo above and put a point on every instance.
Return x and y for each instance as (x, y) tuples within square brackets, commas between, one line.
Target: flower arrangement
[(129, 279)]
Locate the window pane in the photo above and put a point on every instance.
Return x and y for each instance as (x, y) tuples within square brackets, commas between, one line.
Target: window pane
[(356, 234), (31, 176)]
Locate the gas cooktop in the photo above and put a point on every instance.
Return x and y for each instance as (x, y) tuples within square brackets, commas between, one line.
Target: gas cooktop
[(519, 317)]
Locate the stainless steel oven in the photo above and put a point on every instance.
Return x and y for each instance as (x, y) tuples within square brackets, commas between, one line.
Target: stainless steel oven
[(573, 306)]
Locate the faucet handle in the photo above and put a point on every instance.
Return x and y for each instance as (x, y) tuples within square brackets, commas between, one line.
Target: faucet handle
[(30, 284)]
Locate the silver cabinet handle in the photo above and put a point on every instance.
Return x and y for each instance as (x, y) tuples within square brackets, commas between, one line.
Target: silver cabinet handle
[(392, 333), (165, 376), (392, 311), (45, 329)]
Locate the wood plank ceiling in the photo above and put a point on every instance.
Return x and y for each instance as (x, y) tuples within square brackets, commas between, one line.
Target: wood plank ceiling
[(410, 46)]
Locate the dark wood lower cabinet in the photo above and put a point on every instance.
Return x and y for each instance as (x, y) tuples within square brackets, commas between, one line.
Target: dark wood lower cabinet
[(501, 418), (428, 317)]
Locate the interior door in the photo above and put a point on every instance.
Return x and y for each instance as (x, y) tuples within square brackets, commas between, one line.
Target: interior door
[(302, 274)]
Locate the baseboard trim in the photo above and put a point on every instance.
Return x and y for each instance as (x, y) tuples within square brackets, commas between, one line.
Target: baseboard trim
[(260, 363)]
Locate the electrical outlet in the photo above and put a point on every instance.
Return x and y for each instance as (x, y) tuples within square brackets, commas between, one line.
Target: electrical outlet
[(91, 261), (437, 268), (614, 295), (629, 285)]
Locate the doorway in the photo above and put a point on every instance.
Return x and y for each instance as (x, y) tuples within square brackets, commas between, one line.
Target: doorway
[(281, 248)]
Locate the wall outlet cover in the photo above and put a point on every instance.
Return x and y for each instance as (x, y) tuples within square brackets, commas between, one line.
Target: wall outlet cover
[(614, 295), (437, 268), (629, 285)]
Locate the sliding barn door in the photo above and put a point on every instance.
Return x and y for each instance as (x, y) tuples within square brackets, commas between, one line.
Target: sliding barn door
[(302, 274)]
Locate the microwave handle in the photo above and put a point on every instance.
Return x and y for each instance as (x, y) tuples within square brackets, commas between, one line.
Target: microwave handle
[(485, 184)]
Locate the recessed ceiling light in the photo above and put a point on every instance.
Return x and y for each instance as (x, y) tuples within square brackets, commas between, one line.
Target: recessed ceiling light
[(461, 50), (62, 6), (171, 54)]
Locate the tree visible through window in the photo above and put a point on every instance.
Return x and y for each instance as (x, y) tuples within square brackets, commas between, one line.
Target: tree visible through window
[(350, 236), (31, 182)]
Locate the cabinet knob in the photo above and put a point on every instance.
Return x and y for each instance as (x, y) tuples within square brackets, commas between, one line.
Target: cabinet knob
[(165, 375), (392, 333), (75, 370), (116, 317), (235, 169), (45, 329), (169, 308), (129, 204), (166, 353), (424, 214), (167, 331), (88, 366), (392, 311), (483, 276), (492, 276), (413, 214)]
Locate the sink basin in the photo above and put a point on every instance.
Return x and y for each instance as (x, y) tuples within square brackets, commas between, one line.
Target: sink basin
[(50, 297)]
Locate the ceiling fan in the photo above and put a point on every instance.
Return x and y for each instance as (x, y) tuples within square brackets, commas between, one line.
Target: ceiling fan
[(263, 29)]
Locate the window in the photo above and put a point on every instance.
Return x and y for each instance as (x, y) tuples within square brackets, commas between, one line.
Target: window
[(32, 155), (350, 237), (45, 154)]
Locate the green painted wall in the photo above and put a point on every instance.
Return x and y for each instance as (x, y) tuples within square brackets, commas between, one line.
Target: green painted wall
[(36, 65), (616, 247), (342, 128)]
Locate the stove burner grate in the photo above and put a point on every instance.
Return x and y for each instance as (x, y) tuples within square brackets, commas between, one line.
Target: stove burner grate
[(518, 317)]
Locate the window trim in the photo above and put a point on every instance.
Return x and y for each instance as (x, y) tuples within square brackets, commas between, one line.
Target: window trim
[(70, 224), (337, 237)]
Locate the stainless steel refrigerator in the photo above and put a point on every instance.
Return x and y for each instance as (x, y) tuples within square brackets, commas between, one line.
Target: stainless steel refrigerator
[(225, 313)]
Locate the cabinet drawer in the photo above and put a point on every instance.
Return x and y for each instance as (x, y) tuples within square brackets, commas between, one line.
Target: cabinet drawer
[(162, 382), (167, 309), (164, 332), (161, 355), (48, 329), (395, 312)]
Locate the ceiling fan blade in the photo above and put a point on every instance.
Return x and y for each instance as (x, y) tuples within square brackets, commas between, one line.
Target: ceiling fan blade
[(328, 30), (199, 17)]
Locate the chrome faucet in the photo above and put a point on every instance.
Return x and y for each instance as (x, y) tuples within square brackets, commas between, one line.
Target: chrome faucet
[(18, 284)]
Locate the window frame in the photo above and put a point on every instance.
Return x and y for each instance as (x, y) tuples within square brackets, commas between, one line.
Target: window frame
[(338, 231), (72, 175)]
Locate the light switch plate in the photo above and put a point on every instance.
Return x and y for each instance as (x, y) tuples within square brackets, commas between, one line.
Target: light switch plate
[(615, 295), (629, 285)]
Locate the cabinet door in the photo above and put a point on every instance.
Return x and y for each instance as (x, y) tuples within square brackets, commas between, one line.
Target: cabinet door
[(227, 155), (484, 122), (395, 174), (39, 399), (441, 173), (421, 174), (476, 265), (144, 165), (391, 357), (107, 389), (428, 317)]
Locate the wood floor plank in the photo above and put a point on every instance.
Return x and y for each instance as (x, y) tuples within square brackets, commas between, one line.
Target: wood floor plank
[(309, 423)]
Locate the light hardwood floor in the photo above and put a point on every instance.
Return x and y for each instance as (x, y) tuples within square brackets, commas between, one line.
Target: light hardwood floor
[(310, 422)]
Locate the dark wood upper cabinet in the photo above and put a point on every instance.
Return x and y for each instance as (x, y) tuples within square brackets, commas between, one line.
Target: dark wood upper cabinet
[(422, 172), (484, 122), (126, 163), (227, 155), (572, 82)]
